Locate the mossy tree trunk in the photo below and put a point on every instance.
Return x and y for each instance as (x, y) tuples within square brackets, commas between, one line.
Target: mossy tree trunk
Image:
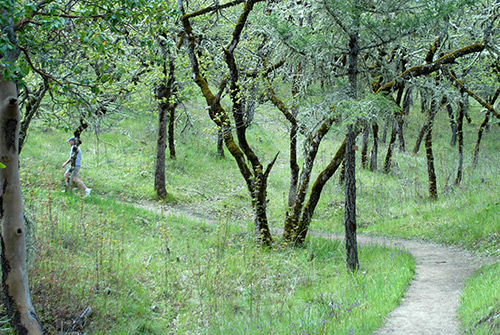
[(165, 94), (291, 228), (249, 165), (431, 172)]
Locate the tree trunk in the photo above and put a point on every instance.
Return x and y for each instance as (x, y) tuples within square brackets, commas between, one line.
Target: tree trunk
[(351, 245), (294, 167), (401, 118), (388, 156), (241, 151), (460, 134), (388, 120), (350, 202), (453, 124), (220, 143), (480, 132), (429, 153), (16, 295), (364, 147), (290, 232), (316, 190), (161, 143), (374, 153), (171, 129), (420, 137), (164, 94)]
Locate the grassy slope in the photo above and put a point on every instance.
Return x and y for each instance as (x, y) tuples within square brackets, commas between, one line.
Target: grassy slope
[(120, 166)]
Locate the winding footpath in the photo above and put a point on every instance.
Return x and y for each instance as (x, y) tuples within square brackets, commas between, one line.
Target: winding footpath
[(429, 306)]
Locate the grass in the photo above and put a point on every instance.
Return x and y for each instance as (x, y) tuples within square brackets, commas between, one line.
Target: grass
[(143, 272), (147, 272)]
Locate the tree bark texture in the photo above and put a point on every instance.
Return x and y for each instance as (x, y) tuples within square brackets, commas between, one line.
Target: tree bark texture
[(431, 172), (16, 295), (255, 178), (166, 112), (220, 144), (374, 152), (480, 132), (364, 147), (352, 260), (390, 147), (316, 190), (290, 232), (460, 135)]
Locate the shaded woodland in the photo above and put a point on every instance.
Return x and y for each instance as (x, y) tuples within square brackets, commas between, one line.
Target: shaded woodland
[(359, 67)]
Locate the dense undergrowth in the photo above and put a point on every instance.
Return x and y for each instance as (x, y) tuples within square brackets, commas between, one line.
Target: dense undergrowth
[(148, 272)]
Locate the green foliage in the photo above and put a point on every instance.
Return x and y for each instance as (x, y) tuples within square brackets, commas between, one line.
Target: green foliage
[(480, 309)]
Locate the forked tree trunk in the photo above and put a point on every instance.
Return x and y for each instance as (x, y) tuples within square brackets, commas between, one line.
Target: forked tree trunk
[(16, 295), (166, 114), (316, 190)]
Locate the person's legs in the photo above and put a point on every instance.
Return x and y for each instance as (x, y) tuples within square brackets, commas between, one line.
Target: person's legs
[(77, 180)]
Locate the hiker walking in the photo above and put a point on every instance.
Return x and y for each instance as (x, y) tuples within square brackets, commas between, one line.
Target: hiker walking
[(78, 163)]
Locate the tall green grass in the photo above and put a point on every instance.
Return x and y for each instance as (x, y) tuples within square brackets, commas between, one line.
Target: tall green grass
[(103, 252)]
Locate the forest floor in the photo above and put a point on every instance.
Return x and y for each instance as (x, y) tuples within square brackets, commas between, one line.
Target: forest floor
[(429, 306)]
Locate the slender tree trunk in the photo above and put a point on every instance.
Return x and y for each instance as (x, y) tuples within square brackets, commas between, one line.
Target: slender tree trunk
[(388, 120), (480, 132), (316, 190), (352, 260), (294, 167), (171, 130), (291, 227), (364, 147), (407, 101), (374, 153), (161, 143), (429, 152), (460, 134), (453, 124), (420, 137), (350, 202), (16, 295), (220, 143), (388, 156)]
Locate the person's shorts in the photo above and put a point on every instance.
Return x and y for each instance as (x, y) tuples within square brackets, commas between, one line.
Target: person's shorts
[(75, 172)]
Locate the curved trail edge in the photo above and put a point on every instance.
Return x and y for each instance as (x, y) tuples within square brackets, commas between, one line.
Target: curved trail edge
[(429, 306)]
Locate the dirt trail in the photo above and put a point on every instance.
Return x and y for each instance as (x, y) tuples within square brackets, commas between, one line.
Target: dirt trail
[(429, 306)]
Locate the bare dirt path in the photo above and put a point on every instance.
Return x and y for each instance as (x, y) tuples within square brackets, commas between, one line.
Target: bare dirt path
[(429, 306)]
